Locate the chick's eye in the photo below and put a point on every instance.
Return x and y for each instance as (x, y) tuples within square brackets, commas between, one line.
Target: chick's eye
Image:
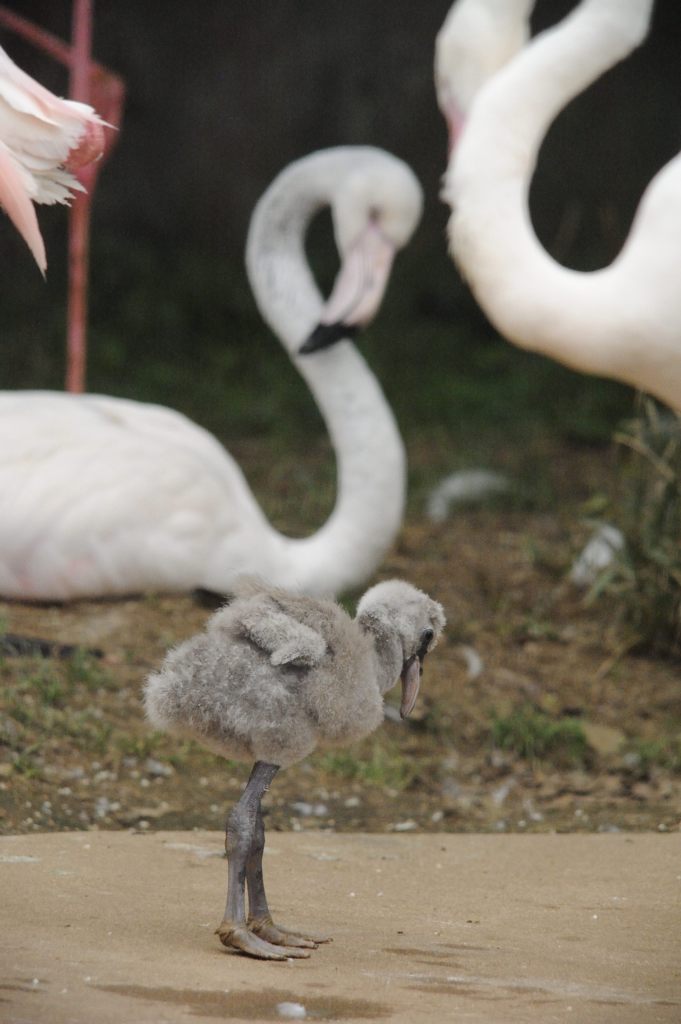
[(426, 638)]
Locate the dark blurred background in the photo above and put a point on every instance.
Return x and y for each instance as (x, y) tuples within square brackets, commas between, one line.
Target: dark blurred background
[(220, 96)]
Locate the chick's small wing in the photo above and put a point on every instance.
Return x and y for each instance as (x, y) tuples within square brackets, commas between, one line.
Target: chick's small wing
[(283, 638)]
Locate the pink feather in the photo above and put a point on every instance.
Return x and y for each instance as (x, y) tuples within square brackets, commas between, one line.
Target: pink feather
[(15, 200), (43, 140)]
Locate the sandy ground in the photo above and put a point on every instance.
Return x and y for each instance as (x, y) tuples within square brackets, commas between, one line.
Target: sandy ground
[(118, 927)]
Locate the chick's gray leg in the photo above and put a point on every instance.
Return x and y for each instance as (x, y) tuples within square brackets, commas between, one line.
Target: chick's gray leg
[(241, 842), (259, 918)]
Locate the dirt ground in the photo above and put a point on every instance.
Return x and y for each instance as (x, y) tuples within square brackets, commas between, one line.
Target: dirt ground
[(492, 929), (521, 647)]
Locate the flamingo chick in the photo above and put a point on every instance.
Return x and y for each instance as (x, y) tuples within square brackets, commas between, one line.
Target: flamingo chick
[(273, 675), (43, 140)]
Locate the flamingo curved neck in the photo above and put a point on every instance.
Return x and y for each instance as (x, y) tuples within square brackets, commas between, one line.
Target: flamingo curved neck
[(593, 321), (371, 465)]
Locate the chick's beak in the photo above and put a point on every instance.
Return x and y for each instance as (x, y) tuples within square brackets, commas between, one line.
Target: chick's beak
[(411, 680), (412, 670)]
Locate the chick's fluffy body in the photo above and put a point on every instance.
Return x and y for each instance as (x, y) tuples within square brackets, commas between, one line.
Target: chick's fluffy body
[(249, 690)]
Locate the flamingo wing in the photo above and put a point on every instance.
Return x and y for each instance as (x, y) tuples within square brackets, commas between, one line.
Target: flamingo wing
[(15, 198), (42, 139)]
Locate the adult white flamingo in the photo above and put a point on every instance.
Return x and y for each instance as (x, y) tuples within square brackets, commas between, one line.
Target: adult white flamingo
[(101, 495), (43, 140), (623, 321), (477, 38)]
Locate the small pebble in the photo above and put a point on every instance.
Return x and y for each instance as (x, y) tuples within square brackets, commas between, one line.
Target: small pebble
[(293, 1011), (154, 767), (501, 792), (310, 810), (104, 806)]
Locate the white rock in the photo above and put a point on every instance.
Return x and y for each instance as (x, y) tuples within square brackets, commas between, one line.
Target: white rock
[(310, 810), (293, 1011), (597, 555), (404, 826)]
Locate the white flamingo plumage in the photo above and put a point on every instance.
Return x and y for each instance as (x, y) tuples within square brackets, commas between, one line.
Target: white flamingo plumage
[(102, 495), (43, 140), (477, 38), (623, 321)]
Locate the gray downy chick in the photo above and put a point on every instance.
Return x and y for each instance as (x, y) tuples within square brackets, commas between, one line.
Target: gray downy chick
[(273, 675)]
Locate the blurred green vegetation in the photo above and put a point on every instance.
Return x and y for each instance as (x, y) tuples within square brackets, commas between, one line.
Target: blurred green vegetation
[(536, 736), (48, 702), (377, 761), (643, 756), (182, 329), (644, 578)]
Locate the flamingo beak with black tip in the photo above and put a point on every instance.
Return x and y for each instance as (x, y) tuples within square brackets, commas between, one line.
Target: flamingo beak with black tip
[(357, 292)]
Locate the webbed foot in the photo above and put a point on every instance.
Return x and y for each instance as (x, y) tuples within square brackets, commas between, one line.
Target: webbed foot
[(242, 938), (268, 930)]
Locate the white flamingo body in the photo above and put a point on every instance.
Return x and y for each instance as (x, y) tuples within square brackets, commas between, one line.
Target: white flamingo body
[(103, 495), (42, 140), (623, 321)]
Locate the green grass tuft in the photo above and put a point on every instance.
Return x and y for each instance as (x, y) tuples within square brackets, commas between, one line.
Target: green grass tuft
[(644, 580), (644, 755), (379, 766), (535, 736)]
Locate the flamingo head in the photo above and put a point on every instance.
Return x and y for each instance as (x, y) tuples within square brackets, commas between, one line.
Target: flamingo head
[(478, 38), (375, 212)]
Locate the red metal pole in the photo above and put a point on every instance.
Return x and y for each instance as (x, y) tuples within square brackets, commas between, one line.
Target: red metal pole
[(35, 35), (91, 83), (79, 218)]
